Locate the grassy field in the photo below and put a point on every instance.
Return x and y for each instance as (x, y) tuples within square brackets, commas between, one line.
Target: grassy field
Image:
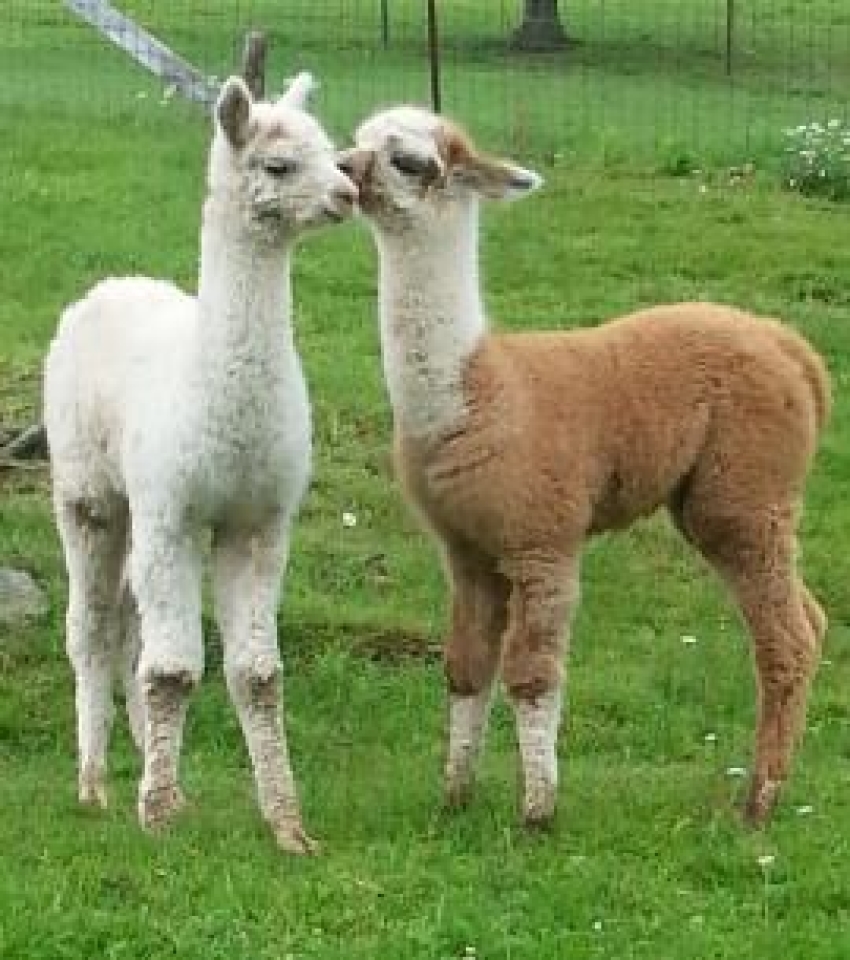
[(647, 859)]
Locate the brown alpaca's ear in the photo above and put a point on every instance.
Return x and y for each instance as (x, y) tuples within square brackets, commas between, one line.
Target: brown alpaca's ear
[(488, 176), (233, 111)]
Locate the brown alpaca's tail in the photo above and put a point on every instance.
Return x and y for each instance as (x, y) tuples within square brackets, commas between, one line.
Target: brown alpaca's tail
[(811, 366)]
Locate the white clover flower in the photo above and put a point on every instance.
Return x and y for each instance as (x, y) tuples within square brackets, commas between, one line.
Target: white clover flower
[(766, 861), (736, 771), (349, 519)]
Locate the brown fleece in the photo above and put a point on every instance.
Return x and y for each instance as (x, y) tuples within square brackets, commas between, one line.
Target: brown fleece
[(701, 408)]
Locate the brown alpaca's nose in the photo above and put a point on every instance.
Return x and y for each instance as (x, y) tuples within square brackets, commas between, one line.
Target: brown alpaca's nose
[(346, 195), (356, 164)]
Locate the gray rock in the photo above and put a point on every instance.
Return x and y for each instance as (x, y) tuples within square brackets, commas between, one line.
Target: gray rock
[(21, 598)]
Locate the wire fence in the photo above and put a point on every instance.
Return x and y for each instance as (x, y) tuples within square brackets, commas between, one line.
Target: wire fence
[(719, 78)]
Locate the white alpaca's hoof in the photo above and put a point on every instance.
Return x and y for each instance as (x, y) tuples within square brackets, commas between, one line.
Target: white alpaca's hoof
[(539, 803), (92, 788), (292, 838), (159, 805)]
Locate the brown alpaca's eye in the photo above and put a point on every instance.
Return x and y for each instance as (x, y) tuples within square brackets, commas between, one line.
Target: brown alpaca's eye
[(410, 165)]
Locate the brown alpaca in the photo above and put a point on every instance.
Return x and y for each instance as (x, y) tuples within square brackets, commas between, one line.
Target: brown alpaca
[(514, 448)]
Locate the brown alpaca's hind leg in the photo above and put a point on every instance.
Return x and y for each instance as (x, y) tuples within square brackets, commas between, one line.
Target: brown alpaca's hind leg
[(814, 612), (754, 552), (543, 595), (478, 620)]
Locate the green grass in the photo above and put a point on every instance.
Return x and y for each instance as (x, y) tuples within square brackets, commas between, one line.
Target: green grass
[(647, 859)]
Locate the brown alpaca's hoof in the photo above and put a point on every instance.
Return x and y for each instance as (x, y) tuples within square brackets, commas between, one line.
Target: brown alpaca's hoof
[(158, 806), (458, 792), (92, 788), (291, 837), (761, 801)]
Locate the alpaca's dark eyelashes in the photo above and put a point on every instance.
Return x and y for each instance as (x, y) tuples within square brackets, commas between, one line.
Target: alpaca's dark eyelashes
[(279, 167), (410, 165)]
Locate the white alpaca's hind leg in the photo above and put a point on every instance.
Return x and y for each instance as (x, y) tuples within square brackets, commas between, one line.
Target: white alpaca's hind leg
[(92, 537), (127, 664), (247, 576), (165, 573)]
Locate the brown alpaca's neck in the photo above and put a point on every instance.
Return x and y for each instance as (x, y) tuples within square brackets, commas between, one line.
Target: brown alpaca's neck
[(432, 319)]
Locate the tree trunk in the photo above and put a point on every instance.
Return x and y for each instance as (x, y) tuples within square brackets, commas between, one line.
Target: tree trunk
[(541, 28)]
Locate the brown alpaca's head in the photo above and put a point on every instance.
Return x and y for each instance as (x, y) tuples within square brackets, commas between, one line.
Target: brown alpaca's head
[(410, 164)]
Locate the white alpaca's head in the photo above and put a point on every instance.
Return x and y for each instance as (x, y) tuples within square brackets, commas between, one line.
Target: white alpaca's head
[(275, 162), (410, 165)]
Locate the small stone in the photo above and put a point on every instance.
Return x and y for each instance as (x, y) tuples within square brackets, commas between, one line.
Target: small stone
[(21, 598)]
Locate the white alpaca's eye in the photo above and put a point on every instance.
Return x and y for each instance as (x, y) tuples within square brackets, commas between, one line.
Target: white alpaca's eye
[(279, 166)]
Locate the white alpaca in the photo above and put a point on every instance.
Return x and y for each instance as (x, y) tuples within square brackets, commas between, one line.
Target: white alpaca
[(515, 448), (168, 416)]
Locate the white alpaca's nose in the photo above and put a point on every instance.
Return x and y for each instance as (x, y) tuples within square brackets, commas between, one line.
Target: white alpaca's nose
[(345, 193)]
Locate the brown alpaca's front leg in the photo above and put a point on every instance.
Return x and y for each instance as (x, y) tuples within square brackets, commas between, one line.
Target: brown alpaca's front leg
[(542, 599), (478, 620)]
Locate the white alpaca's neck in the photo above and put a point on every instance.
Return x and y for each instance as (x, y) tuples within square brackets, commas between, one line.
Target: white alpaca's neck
[(244, 295), (432, 318)]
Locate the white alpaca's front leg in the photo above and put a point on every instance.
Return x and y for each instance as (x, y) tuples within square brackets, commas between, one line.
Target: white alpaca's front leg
[(165, 567), (247, 574)]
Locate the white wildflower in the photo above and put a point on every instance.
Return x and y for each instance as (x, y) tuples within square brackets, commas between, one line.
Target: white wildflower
[(736, 771), (349, 519)]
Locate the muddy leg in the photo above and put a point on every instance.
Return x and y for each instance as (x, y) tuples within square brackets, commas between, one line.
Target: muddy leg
[(165, 566), (543, 595), (247, 571), (478, 620)]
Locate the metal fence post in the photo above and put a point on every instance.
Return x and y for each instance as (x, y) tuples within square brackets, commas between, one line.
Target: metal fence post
[(730, 34), (434, 56)]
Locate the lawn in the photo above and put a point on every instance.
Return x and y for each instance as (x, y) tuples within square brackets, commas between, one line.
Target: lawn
[(647, 859)]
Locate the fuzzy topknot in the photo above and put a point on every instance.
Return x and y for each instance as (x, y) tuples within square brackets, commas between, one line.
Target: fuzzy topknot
[(300, 88)]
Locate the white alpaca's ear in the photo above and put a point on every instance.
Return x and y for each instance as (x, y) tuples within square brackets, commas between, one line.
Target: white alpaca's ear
[(297, 93), (233, 111)]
